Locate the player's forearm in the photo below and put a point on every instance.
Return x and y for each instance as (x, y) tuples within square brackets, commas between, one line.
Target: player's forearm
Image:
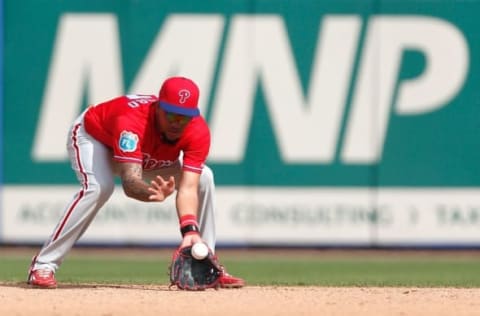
[(136, 189), (132, 182), (187, 202), (187, 205)]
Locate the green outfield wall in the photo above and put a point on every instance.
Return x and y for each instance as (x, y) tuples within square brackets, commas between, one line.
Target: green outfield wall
[(334, 123)]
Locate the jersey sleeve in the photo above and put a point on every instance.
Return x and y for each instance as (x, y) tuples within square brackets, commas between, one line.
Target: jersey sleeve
[(196, 152)]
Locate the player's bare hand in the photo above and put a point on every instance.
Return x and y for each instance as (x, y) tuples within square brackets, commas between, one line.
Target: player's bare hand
[(190, 239), (161, 189)]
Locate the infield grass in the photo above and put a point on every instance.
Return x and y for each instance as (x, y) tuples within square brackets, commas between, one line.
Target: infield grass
[(288, 268)]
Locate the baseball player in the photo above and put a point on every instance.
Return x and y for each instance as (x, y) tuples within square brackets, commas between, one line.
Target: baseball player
[(156, 145)]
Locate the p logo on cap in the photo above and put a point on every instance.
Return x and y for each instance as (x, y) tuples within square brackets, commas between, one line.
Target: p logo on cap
[(179, 95), (184, 95)]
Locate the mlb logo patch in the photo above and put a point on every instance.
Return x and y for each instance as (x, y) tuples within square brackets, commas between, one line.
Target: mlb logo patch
[(128, 141)]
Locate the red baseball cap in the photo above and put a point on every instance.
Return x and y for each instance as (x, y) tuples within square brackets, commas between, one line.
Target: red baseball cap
[(179, 95)]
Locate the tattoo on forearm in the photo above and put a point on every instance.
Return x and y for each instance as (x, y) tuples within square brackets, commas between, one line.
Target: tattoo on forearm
[(133, 183)]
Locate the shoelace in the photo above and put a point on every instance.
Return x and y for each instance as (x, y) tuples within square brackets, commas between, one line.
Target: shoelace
[(223, 271), (44, 273)]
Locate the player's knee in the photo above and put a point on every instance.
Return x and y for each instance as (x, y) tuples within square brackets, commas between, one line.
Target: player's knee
[(101, 191), (206, 179)]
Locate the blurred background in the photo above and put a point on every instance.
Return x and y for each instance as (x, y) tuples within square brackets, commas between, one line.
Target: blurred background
[(335, 123)]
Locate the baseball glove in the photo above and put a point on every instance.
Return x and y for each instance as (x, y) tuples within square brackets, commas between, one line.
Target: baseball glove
[(188, 273)]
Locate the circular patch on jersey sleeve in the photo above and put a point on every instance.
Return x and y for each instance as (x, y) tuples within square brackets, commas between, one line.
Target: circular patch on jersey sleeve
[(128, 141)]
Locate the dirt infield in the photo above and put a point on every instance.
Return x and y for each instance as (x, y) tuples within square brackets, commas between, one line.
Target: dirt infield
[(144, 300), (129, 300)]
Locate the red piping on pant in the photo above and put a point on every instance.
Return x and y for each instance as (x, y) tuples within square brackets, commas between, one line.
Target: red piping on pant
[(85, 183)]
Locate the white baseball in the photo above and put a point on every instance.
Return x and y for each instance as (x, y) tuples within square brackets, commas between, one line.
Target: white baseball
[(199, 251)]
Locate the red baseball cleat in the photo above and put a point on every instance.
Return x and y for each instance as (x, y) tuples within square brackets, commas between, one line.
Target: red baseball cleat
[(228, 281), (42, 278)]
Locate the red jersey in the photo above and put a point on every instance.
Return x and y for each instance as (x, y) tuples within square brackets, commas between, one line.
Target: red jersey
[(127, 125)]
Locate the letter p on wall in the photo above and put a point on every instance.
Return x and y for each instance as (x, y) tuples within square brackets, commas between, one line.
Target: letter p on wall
[(447, 60)]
